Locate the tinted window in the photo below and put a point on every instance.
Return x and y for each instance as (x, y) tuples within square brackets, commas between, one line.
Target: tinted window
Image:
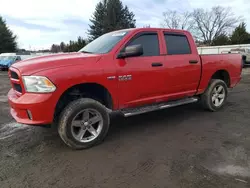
[(177, 44), (149, 42)]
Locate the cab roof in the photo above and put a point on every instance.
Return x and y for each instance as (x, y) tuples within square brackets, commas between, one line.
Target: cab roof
[(155, 29)]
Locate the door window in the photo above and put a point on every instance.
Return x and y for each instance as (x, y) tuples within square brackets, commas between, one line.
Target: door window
[(149, 42), (177, 44)]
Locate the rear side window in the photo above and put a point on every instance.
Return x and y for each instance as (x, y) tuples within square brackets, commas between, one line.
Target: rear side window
[(149, 42), (177, 44)]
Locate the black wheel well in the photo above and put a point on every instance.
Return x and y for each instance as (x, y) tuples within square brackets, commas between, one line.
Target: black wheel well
[(222, 75), (86, 90)]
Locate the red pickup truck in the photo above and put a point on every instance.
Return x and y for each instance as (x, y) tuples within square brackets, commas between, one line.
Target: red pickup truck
[(132, 71)]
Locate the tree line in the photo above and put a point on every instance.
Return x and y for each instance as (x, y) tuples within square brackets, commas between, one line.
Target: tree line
[(72, 46), (216, 26)]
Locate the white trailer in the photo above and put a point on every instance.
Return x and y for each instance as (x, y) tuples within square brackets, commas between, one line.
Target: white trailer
[(221, 49)]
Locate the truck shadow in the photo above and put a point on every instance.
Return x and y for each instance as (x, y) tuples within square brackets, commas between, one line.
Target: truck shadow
[(123, 127)]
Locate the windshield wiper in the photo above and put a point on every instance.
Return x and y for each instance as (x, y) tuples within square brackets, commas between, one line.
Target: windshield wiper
[(87, 52)]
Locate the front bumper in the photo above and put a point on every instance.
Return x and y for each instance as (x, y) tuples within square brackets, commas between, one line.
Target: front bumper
[(32, 108)]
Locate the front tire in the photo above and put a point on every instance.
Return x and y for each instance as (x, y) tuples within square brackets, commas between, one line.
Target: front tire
[(83, 123), (215, 95)]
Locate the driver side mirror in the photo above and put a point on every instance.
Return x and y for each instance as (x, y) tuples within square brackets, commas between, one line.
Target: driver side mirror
[(131, 51)]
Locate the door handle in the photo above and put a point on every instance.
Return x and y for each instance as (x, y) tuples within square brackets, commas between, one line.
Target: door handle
[(193, 61), (157, 64)]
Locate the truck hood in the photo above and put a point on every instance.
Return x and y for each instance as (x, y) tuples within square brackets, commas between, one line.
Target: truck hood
[(41, 63)]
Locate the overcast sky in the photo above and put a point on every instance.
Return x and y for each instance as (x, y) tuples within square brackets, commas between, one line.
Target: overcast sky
[(40, 23)]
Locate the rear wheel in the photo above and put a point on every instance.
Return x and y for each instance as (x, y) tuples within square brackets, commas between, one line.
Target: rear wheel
[(215, 95), (83, 123)]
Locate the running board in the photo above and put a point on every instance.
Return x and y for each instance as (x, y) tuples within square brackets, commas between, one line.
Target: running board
[(149, 108)]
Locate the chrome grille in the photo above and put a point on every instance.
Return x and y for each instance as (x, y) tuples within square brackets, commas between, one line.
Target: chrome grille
[(15, 80), (17, 87)]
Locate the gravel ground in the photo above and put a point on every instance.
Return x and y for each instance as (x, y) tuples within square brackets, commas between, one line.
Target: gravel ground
[(178, 147)]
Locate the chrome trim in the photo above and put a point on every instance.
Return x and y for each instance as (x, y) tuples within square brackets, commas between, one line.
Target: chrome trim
[(111, 77), (125, 77)]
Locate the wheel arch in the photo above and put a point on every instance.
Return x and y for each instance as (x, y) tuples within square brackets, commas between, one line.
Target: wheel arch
[(222, 75), (88, 90)]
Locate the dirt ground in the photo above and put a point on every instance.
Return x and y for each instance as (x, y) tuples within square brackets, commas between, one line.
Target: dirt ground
[(178, 147)]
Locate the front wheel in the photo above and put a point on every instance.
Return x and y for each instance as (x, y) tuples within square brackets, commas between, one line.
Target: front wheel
[(215, 95), (83, 123)]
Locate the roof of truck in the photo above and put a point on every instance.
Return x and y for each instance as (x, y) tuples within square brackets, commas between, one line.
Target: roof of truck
[(154, 29)]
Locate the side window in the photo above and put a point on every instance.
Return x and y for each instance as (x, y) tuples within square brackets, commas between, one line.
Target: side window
[(149, 42), (18, 58), (177, 44)]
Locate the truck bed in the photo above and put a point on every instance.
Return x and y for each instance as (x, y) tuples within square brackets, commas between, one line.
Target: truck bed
[(230, 64)]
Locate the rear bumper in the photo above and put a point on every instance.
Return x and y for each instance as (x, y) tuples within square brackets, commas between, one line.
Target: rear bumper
[(31, 109)]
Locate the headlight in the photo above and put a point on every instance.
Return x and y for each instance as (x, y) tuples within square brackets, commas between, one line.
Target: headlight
[(38, 84)]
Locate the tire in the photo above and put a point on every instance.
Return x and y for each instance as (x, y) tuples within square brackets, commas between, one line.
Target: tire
[(209, 98), (73, 134)]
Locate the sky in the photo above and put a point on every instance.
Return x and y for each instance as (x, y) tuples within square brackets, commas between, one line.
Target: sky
[(40, 23)]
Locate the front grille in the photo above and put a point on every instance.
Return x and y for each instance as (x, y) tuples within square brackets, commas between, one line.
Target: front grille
[(14, 75), (17, 87), (16, 81)]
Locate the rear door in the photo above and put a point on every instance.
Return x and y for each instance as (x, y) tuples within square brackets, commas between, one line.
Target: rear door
[(183, 66), (141, 79)]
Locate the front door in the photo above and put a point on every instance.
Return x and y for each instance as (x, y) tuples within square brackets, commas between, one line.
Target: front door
[(141, 79)]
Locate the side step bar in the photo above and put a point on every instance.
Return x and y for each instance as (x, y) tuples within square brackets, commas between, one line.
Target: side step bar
[(153, 107)]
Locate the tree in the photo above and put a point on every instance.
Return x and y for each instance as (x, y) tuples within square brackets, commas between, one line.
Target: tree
[(7, 38), (177, 20), (110, 15), (222, 39), (210, 24), (62, 46), (72, 46), (55, 48), (240, 35), (98, 21), (80, 43)]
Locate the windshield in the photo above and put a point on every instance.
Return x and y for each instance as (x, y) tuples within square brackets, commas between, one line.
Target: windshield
[(7, 58), (104, 43)]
